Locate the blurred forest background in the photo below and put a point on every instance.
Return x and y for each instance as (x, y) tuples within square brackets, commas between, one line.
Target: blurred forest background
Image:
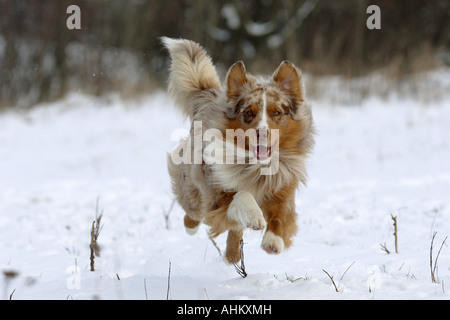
[(118, 50)]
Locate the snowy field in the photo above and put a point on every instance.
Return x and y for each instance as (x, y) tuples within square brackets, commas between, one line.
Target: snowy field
[(370, 161)]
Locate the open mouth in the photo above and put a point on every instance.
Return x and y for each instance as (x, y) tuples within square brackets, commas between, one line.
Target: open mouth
[(263, 152), (263, 149)]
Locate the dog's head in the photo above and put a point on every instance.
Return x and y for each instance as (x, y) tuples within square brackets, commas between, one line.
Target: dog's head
[(259, 105)]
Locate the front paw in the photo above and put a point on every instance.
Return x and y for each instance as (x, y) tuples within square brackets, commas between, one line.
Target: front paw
[(255, 219), (244, 210), (271, 243)]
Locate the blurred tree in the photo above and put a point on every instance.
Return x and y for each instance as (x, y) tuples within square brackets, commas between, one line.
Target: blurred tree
[(118, 50)]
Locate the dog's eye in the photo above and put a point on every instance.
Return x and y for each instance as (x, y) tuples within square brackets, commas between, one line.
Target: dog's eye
[(249, 113), (276, 113)]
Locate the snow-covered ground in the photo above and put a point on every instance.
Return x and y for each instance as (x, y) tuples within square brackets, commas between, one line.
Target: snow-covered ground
[(370, 161)]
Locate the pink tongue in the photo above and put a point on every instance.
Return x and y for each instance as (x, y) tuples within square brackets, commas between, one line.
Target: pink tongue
[(262, 152)]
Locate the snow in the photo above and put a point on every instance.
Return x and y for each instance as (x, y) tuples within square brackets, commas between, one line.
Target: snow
[(370, 161)]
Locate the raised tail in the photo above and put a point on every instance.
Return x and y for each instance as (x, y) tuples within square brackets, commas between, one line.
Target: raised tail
[(191, 71)]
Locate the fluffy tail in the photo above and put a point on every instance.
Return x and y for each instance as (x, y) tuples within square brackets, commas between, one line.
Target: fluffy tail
[(191, 71)]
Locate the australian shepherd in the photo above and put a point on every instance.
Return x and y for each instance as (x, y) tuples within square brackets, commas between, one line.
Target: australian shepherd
[(255, 186)]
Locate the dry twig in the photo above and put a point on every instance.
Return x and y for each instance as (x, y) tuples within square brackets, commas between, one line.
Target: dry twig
[(11, 295), (347, 270), (384, 248), (241, 268), (145, 288), (95, 232), (395, 232), (215, 244), (168, 281), (433, 268), (332, 280), (9, 275)]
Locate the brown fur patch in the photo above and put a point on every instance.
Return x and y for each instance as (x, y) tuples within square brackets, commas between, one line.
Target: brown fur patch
[(233, 251)]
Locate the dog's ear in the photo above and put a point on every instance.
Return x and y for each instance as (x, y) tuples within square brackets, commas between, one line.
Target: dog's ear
[(236, 79), (289, 79)]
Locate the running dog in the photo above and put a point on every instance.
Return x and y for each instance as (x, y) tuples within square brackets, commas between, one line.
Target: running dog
[(267, 126)]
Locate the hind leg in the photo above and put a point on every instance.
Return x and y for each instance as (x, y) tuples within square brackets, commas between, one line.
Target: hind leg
[(191, 225), (191, 206), (187, 194)]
